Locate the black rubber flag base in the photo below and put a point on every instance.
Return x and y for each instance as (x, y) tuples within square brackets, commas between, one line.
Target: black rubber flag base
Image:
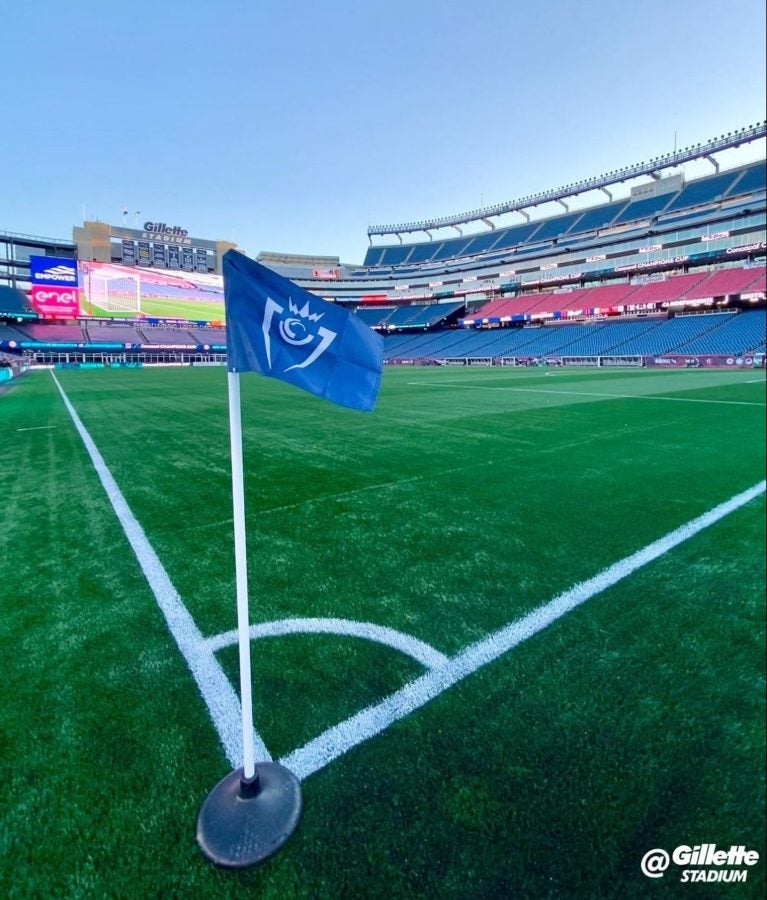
[(243, 821)]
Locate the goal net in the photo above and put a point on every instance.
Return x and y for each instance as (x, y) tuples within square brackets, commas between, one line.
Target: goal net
[(115, 293)]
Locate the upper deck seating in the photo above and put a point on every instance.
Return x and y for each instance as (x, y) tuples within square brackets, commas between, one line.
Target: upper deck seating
[(753, 179), (706, 190)]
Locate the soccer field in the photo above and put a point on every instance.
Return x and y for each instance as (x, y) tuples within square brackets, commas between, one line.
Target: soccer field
[(171, 309), (457, 733)]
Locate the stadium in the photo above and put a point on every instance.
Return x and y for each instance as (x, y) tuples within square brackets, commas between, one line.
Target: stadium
[(671, 273), (508, 632)]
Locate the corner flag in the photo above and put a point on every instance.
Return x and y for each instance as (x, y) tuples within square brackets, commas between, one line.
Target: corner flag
[(278, 329)]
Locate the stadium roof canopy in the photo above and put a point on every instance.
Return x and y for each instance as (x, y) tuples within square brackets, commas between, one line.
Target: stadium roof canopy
[(652, 167)]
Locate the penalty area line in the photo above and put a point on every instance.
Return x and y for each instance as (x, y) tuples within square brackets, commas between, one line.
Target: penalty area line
[(371, 721), (216, 689)]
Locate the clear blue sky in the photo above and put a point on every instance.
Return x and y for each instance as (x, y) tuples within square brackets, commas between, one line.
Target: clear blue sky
[(294, 125)]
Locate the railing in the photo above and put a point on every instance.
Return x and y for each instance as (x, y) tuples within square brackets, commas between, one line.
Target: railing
[(17, 235)]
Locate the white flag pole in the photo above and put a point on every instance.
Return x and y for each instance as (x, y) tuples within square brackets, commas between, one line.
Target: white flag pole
[(253, 811), (241, 575)]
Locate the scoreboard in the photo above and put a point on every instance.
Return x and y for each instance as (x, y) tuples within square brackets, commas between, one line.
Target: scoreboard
[(161, 246)]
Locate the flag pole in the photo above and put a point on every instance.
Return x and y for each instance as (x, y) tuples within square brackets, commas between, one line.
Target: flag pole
[(253, 811), (241, 575)]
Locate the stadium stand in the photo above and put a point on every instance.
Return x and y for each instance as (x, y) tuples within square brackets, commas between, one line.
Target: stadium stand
[(601, 216), (706, 190), (754, 178), (685, 254), (374, 316), (725, 282), (694, 195), (429, 315), (13, 301), (712, 333), (642, 209), (610, 338), (176, 336), (737, 334), (760, 284), (209, 335), (666, 290), (695, 286), (52, 333), (9, 333), (109, 333)]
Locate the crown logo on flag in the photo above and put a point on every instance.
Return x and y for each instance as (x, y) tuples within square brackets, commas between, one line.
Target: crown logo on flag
[(304, 311)]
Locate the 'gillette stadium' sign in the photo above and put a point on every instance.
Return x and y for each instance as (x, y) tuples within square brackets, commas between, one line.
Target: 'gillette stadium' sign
[(160, 229), (53, 270)]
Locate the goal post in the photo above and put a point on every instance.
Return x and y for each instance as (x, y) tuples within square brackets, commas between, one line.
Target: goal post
[(113, 292)]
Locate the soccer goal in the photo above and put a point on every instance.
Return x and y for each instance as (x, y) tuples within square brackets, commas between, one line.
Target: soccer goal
[(115, 293)]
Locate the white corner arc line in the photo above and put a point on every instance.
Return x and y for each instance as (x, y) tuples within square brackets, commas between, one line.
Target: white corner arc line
[(216, 689), (397, 640), (372, 720)]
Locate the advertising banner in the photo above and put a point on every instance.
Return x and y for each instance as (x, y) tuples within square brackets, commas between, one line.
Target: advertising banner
[(55, 302), (129, 253), (158, 256), (746, 361), (144, 253), (56, 271), (200, 260)]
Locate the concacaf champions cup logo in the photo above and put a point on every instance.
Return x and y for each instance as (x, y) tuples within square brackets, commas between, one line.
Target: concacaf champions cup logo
[(297, 328)]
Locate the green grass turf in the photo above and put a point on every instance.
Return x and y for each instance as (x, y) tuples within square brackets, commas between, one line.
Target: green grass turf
[(634, 722), (171, 309)]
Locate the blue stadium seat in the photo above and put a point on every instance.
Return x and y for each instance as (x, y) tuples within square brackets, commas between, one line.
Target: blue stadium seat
[(517, 234), (753, 179), (424, 252), (555, 228), (696, 193), (643, 209), (714, 333), (481, 243), (599, 217), (392, 256)]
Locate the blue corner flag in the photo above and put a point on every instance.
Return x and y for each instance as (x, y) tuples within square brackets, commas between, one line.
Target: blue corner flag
[(278, 329)]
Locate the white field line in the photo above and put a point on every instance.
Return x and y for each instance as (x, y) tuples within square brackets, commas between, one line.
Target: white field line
[(420, 651), (488, 387), (38, 428), (369, 722), (343, 495), (382, 485), (216, 689), (443, 673)]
